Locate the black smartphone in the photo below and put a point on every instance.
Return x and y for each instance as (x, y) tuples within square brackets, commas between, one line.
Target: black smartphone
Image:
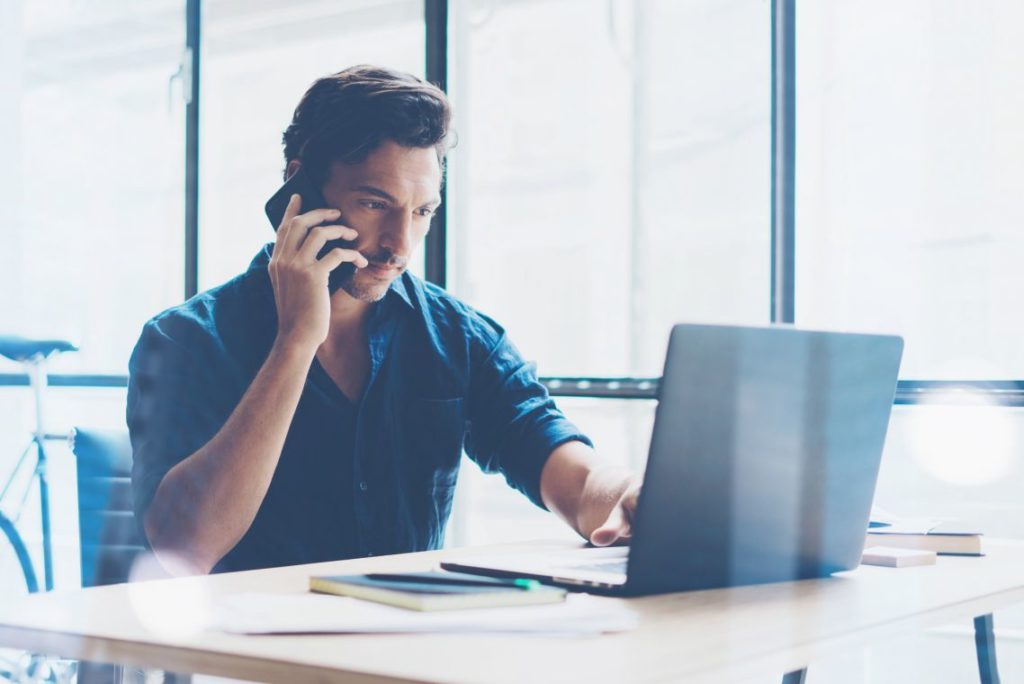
[(301, 184)]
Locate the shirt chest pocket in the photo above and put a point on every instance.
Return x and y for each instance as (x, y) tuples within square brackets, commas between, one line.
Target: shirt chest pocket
[(432, 433)]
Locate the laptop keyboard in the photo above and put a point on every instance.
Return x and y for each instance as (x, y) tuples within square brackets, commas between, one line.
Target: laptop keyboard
[(617, 565)]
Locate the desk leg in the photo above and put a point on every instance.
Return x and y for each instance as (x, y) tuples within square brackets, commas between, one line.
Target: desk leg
[(106, 673), (795, 677), (985, 643), (99, 673)]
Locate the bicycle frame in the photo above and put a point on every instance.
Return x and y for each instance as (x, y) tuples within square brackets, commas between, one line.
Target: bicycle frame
[(24, 560), (39, 471), (37, 381)]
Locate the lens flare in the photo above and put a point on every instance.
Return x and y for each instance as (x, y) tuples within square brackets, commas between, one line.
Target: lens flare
[(962, 439), (173, 609)]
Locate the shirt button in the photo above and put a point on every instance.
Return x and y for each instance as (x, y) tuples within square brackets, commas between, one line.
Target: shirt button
[(363, 486)]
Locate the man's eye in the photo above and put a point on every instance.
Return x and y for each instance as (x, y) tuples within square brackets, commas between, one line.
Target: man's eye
[(425, 211), (373, 204)]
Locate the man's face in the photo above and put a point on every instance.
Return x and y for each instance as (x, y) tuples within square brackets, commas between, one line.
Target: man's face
[(389, 199)]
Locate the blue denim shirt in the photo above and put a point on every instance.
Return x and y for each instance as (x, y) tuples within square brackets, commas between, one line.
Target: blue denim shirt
[(354, 478)]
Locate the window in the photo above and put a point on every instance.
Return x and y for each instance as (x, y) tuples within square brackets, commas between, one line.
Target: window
[(92, 181), (612, 174), (909, 160), (258, 60)]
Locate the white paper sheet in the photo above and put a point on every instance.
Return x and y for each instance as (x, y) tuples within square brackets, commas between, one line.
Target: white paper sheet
[(256, 613)]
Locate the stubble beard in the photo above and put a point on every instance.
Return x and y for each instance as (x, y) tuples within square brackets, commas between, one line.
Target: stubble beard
[(364, 292)]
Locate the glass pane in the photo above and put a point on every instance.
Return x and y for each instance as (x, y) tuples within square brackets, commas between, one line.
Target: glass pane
[(259, 58), (956, 462), (92, 137), (910, 156), (613, 178)]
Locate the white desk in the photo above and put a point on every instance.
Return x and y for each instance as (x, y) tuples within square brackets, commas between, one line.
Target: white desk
[(718, 635)]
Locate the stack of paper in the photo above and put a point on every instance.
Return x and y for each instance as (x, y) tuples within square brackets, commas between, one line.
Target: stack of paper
[(313, 613), (897, 558)]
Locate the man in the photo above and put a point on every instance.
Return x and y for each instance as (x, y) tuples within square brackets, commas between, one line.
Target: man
[(288, 417)]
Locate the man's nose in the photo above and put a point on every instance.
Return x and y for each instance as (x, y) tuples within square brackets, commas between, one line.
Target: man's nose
[(397, 237)]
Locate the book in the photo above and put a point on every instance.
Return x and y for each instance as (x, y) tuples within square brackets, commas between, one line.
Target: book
[(436, 590), (927, 534), (897, 558)]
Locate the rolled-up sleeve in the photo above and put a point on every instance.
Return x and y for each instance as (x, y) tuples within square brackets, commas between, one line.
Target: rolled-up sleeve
[(171, 410), (514, 424)]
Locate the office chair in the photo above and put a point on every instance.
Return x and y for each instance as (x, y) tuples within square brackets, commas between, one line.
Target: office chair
[(109, 536)]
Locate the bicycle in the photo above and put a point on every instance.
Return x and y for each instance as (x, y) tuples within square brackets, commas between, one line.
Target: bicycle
[(33, 355)]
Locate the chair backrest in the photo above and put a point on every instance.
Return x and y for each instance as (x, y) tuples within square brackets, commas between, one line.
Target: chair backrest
[(109, 536)]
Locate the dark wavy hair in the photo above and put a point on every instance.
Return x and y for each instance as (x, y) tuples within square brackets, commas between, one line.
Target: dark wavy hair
[(347, 115)]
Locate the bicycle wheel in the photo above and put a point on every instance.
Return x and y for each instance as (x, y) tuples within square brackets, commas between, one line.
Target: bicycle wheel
[(15, 554)]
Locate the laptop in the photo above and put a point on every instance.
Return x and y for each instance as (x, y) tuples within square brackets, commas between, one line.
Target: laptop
[(762, 466)]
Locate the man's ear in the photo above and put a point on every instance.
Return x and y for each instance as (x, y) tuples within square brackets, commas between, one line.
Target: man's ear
[(293, 166)]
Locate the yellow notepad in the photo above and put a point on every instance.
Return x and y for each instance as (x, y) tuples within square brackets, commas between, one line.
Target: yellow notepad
[(438, 590)]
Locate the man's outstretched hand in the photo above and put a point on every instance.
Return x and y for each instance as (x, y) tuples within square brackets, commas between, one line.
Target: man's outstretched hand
[(618, 527), (597, 499)]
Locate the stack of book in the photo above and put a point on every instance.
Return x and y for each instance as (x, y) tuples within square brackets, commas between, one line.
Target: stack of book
[(926, 534)]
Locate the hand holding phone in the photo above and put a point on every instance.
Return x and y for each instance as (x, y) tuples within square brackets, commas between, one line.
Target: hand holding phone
[(300, 269), (299, 183)]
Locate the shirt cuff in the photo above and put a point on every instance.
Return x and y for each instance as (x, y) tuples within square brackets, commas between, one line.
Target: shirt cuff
[(534, 454)]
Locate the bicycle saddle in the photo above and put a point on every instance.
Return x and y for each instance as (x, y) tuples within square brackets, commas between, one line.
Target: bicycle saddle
[(22, 349)]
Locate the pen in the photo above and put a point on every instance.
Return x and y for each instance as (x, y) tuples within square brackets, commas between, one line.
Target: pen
[(462, 580)]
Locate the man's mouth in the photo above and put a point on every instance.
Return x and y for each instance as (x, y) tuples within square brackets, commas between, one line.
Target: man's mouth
[(382, 270)]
